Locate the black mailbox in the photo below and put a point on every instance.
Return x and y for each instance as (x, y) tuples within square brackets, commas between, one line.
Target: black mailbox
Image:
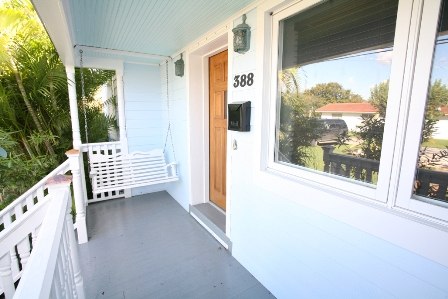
[(239, 116)]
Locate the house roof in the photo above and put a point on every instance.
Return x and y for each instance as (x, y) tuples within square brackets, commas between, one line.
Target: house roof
[(160, 27), (444, 110), (365, 108)]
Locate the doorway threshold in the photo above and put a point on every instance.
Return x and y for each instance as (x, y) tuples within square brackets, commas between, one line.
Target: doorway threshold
[(213, 220)]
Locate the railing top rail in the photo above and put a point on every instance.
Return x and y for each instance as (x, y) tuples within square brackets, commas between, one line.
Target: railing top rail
[(354, 158), (64, 167)]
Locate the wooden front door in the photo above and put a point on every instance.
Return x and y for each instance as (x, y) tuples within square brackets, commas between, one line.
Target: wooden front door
[(218, 128)]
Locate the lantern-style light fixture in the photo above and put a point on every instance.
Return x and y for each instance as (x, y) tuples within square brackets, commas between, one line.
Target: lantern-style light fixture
[(241, 37), (179, 67)]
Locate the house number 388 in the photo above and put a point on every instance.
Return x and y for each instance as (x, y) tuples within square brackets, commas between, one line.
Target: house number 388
[(243, 80)]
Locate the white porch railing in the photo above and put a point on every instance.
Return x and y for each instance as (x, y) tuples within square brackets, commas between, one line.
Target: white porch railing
[(46, 228), (107, 149), (30, 205), (21, 224), (53, 269), (29, 199)]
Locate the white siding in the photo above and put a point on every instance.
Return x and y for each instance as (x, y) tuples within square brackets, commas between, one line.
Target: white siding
[(297, 252), (145, 113), (441, 129), (179, 127)]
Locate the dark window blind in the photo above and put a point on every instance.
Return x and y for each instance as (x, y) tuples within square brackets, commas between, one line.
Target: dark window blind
[(337, 28)]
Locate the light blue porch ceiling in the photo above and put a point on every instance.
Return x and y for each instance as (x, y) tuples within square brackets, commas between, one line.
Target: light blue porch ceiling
[(147, 26)]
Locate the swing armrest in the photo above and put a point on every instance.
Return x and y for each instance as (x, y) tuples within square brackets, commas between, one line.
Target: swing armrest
[(172, 168)]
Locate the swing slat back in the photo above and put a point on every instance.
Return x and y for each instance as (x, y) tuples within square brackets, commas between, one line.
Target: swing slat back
[(138, 169)]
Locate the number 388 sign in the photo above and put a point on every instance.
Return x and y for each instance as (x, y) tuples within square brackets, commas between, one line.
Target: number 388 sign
[(243, 80)]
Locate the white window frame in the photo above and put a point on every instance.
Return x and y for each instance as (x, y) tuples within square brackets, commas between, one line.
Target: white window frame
[(345, 185), (415, 232), (414, 49), (405, 200)]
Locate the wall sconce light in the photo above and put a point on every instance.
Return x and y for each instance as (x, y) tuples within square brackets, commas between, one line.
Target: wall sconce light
[(179, 67), (241, 37)]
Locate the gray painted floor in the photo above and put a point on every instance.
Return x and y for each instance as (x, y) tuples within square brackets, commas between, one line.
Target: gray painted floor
[(149, 247)]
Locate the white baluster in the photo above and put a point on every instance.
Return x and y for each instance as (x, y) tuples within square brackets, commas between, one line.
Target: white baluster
[(14, 260), (18, 210), (57, 292), (24, 250), (62, 276), (73, 156), (23, 247), (83, 177), (6, 276), (29, 203), (73, 248), (40, 193), (65, 266), (34, 235)]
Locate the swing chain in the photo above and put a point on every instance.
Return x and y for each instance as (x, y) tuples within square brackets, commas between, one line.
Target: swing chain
[(168, 132), (83, 95)]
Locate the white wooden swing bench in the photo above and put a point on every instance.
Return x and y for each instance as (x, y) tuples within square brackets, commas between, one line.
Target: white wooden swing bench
[(115, 172), (124, 171)]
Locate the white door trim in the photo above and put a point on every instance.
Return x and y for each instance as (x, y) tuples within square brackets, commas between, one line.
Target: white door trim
[(198, 101)]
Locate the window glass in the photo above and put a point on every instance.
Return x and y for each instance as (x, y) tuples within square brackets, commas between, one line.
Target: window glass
[(431, 177), (333, 77)]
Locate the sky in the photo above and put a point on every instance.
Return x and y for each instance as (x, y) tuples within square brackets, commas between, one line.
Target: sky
[(362, 72)]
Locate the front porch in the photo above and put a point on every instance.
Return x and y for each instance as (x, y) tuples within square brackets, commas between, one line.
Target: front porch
[(149, 247)]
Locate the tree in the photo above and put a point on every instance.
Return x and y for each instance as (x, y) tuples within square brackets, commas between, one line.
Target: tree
[(35, 125), (371, 129), (332, 92), (23, 61), (297, 125), (378, 97)]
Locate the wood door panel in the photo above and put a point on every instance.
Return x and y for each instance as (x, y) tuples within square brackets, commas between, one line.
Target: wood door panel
[(219, 106), (218, 128)]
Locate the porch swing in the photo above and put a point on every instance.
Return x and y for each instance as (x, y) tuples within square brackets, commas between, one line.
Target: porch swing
[(138, 169)]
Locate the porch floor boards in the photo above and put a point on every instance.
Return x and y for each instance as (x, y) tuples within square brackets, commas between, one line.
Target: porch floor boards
[(149, 247)]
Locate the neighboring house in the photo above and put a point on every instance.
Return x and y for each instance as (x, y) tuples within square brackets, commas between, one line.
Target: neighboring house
[(441, 127), (302, 233), (351, 113)]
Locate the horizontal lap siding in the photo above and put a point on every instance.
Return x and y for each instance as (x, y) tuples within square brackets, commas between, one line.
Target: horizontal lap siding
[(179, 126), (297, 252), (145, 112)]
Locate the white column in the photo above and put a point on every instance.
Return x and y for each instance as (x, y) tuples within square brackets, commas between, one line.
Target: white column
[(76, 133), (81, 227), (121, 111), (70, 70), (122, 119), (55, 185)]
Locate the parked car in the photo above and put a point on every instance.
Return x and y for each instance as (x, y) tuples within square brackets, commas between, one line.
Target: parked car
[(330, 130)]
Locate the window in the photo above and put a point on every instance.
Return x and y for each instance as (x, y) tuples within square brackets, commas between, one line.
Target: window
[(386, 203), (431, 176), (335, 56), (358, 97)]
